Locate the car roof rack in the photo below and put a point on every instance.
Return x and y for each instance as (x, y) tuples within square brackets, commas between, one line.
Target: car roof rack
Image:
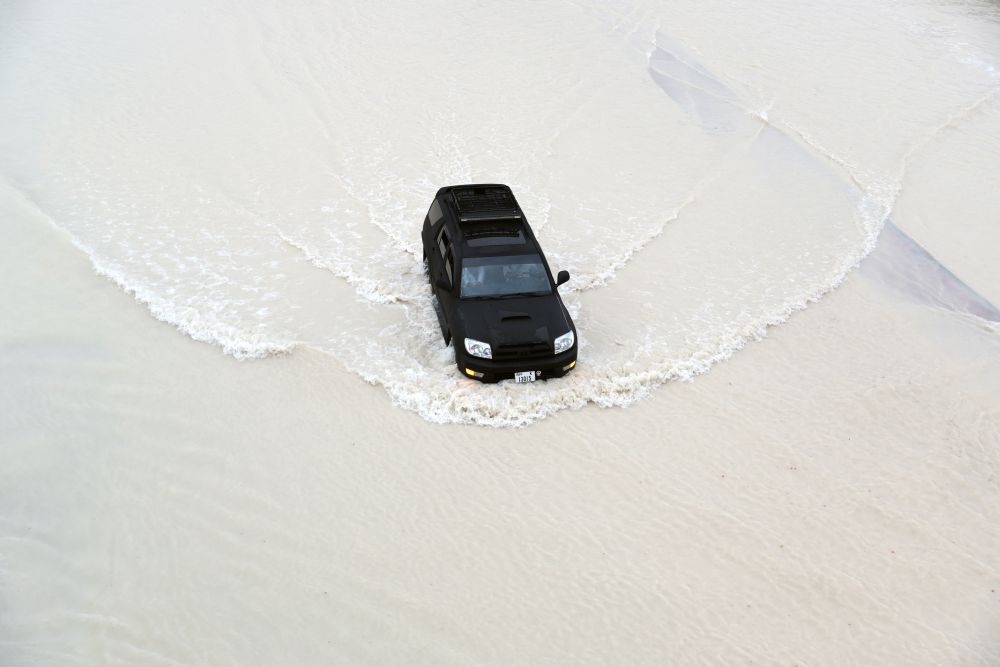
[(485, 203)]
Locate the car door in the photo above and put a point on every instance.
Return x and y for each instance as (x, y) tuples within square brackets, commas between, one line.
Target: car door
[(446, 271), (441, 265), (438, 254), (434, 228)]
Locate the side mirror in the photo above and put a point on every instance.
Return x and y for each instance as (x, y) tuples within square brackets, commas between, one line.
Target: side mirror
[(442, 284), (563, 277)]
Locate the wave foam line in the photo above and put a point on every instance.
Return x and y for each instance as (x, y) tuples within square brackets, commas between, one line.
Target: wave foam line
[(236, 342), (366, 287)]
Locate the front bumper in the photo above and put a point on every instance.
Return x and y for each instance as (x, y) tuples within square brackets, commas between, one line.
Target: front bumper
[(545, 368)]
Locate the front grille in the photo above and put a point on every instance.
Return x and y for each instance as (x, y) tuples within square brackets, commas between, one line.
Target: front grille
[(522, 352)]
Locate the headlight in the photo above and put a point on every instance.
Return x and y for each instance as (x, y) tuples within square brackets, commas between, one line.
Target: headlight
[(478, 348), (565, 342)]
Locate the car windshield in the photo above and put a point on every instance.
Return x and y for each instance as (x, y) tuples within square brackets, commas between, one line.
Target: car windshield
[(504, 275)]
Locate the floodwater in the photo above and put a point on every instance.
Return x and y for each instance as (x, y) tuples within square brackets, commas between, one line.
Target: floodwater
[(258, 176)]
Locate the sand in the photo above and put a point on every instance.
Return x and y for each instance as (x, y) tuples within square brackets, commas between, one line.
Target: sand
[(229, 435)]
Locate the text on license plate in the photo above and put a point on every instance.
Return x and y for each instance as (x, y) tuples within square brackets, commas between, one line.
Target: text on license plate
[(526, 376)]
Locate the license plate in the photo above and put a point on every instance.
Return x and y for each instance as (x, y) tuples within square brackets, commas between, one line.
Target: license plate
[(526, 376)]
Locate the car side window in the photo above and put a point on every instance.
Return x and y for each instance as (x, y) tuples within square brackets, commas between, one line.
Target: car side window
[(444, 243), (448, 266), (434, 215)]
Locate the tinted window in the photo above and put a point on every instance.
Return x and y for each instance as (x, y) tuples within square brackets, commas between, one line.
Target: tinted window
[(443, 241), (434, 215), (500, 276)]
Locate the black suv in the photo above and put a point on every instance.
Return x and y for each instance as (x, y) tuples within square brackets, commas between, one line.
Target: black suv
[(497, 298)]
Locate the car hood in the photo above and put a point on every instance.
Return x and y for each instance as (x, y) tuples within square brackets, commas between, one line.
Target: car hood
[(515, 321)]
